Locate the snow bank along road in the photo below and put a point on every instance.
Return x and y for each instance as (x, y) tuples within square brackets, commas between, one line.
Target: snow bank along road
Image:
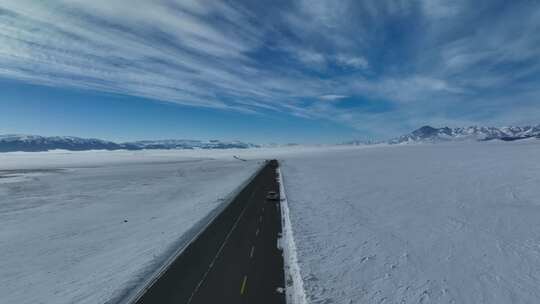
[(235, 259)]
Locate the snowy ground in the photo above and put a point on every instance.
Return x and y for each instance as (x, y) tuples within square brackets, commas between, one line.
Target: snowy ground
[(85, 227), (444, 223), (59, 158), (88, 227)]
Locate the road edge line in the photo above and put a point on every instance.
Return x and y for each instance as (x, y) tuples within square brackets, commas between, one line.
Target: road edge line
[(294, 293)]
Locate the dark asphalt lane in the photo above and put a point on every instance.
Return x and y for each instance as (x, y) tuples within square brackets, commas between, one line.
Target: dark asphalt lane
[(236, 259)]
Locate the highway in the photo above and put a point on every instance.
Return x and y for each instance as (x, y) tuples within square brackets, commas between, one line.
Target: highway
[(235, 259)]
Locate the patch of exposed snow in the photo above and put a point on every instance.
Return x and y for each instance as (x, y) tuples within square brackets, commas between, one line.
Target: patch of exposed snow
[(78, 159), (89, 235), (93, 226), (447, 223)]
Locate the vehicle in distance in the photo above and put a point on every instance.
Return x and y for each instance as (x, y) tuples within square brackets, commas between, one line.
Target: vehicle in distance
[(272, 196)]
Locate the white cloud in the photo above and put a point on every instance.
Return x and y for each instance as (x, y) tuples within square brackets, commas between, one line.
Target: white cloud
[(440, 8), (110, 47), (315, 59), (332, 97), (327, 13), (414, 88), (310, 57), (356, 62)]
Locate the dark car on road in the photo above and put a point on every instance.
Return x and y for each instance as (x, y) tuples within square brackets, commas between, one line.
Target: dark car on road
[(272, 196)]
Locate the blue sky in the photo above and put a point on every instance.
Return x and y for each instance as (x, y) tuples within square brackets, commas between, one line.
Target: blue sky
[(266, 71)]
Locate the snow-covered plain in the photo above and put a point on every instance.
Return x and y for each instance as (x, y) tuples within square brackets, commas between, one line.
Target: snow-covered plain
[(443, 223), (62, 158), (87, 227)]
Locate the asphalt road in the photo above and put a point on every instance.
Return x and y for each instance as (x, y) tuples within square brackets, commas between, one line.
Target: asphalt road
[(236, 259)]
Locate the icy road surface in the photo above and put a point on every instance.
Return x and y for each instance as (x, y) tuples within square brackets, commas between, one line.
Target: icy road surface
[(445, 223), (86, 235)]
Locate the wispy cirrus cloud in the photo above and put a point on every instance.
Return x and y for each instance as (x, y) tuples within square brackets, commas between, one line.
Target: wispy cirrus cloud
[(290, 57), (332, 97)]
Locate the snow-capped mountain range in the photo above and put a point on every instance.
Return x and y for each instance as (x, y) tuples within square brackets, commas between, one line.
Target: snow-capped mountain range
[(36, 143), (425, 134), (428, 134), (431, 134)]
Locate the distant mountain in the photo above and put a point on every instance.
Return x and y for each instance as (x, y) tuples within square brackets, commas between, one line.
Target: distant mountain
[(431, 134), (275, 145), (35, 143), (191, 144), (360, 142)]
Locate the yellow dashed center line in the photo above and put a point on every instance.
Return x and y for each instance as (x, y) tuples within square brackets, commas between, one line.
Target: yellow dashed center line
[(251, 252), (243, 287)]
